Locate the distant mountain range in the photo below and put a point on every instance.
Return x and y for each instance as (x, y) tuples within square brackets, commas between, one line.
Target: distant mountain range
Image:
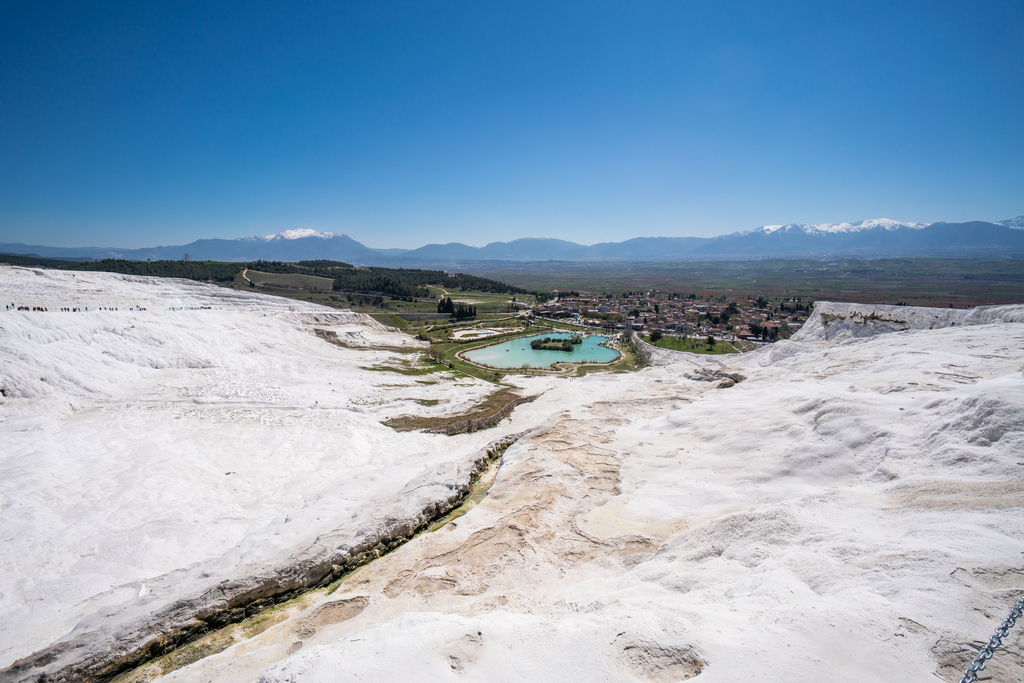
[(879, 238)]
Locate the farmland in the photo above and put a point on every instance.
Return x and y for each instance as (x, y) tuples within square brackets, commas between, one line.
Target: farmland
[(917, 282)]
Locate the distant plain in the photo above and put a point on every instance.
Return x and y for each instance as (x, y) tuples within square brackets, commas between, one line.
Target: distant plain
[(915, 281)]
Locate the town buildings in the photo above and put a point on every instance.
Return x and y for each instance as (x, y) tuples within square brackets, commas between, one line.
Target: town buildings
[(760, 319)]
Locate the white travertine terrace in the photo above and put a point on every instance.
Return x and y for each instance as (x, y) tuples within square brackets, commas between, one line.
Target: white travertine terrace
[(849, 511)]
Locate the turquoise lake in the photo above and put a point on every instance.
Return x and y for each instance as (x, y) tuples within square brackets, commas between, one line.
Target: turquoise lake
[(515, 352)]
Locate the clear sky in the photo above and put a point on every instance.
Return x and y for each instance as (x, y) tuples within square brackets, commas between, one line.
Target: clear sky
[(402, 123)]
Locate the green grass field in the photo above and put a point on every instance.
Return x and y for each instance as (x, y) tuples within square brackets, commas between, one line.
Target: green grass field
[(391, 320), (485, 302), (694, 345), (291, 280), (385, 309)]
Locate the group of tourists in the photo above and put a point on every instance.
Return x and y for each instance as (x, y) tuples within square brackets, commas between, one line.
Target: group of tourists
[(41, 309), (68, 309)]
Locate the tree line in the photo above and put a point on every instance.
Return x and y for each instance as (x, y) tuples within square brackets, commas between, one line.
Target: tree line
[(396, 282), (189, 270), (413, 282)]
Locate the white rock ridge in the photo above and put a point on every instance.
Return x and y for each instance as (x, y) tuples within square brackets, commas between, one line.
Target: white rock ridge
[(177, 435), (841, 321)]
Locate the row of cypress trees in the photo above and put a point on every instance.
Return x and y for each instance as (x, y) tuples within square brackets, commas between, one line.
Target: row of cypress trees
[(459, 311)]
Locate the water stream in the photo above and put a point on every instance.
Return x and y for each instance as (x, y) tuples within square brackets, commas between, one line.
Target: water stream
[(477, 492)]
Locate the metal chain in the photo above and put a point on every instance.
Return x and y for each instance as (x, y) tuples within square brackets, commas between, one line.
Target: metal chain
[(985, 654)]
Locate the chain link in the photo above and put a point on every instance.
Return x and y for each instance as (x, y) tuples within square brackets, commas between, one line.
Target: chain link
[(985, 654)]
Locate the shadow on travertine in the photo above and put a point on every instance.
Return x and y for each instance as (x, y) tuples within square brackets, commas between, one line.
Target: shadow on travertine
[(331, 613), (649, 662)]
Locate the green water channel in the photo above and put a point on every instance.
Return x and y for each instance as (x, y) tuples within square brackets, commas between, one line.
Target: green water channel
[(477, 492)]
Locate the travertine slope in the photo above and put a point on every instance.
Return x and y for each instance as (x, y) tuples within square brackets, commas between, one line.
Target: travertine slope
[(849, 510), (169, 436)]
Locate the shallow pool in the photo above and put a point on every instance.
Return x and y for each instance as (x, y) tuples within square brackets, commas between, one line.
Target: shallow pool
[(515, 353)]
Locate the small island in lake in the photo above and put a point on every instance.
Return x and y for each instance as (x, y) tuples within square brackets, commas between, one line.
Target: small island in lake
[(549, 344)]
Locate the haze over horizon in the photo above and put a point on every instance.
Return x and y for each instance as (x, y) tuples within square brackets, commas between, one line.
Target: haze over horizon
[(303, 233), (417, 123)]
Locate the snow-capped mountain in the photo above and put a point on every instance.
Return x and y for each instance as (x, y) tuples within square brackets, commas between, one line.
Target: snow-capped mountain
[(875, 238), (819, 228), (295, 234), (302, 233)]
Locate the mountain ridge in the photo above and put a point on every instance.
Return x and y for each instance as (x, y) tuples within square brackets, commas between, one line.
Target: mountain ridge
[(875, 238)]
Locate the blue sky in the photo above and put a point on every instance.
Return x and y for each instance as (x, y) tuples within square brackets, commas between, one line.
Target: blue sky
[(405, 123)]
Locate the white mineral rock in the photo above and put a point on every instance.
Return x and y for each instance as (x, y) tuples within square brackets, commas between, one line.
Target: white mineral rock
[(850, 510)]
